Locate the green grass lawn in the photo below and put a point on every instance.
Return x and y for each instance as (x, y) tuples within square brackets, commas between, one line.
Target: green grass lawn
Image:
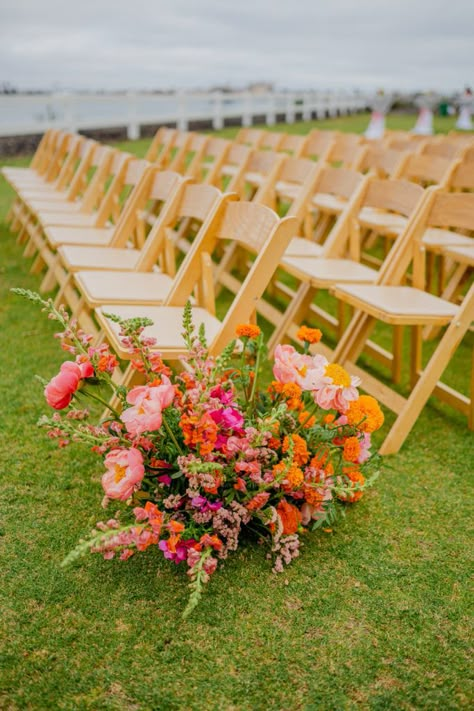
[(373, 616)]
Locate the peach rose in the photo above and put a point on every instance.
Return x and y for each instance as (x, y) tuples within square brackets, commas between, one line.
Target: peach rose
[(125, 471)]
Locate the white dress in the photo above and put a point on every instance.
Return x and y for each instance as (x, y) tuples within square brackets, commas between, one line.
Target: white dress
[(380, 105), (464, 122)]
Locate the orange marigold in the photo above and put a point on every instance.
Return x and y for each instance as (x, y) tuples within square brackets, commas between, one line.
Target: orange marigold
[(351, 449), (305, 419), (310, 335), (312, 495), (300, 449), (294, 479), (322, 462), (357, 478), (199, 432), (247, 330), (365, 412), (290, 517)]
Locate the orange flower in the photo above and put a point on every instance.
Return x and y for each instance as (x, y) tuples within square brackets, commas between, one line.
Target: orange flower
[(351, 449), (199, 432), (213, 541), (247, 330), (365, 413), (293, 480), (329, 419), (290, 517), (300, 450), (357, 478), (258, 501), (321, 462), (175, 526), (310, 335), (312, 495), (305, 420)]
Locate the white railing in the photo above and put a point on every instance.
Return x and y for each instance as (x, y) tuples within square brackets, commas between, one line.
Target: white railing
[(24, 114)]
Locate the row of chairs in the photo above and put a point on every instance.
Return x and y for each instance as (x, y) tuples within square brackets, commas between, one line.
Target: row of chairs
[(163, 208)]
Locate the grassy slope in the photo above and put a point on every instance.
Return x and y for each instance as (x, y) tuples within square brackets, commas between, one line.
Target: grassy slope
[(375, 615)]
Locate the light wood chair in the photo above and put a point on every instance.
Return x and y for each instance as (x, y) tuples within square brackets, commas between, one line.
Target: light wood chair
[(165, 193), (293, 144), (391, 302), (262, 233), (271, 141), (141, 284), (118, 219), (383, 162), (261, 169), (319, 144), (347, 151), (161, 146), (208, 159), (232, 168), (339, 260), (46, 164), (252, 137)]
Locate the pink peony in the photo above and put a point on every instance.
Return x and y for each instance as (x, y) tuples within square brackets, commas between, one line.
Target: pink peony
[(293, 367), (147, 402), (125, 471), (335, 389), (61, 388)]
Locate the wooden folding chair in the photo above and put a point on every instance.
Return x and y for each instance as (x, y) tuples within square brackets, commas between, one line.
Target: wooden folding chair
[(164, 193), (340, 261), (383, 162), (252, 137), (256, 228), (293, 144), (232, 168), (319, 144), (177, 155), (391, 303), (347, 151), (161, 145), (262, 168), (120, 219), (206, 163), (46, 164), (271, 141), (142, 284)]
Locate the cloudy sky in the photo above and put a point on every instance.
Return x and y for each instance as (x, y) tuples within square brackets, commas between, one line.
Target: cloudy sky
[(110, 44)]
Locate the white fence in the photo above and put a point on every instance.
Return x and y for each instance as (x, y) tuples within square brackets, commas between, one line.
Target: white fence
[(31, 114)]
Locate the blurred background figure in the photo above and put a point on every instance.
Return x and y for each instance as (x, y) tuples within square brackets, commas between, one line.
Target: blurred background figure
[(426, 103), (380, 105), (465, 101)]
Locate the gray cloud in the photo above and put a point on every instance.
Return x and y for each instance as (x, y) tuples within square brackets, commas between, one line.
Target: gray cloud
[(110, 44)]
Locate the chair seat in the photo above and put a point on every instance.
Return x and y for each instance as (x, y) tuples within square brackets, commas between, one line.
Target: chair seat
[(287, 190), (117, 287), (46, 193), (76, 235), (230, 169), (436, 238), (75, 258), (387, 223), (47, 206), (329, 203), (254, 178), (324, 272), (167, 326), (301, 247), (398, 304), (67, 219), (463, 254)]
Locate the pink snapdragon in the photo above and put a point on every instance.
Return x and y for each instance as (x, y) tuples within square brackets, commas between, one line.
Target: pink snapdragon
[(61, 388), (124, 473), (147, 402)]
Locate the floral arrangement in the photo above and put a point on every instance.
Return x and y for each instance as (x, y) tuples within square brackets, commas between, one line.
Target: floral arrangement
[(201, 457)]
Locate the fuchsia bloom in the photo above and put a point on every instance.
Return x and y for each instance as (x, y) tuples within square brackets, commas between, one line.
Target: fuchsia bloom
[(201, 503), (147, 402), (124, 473), (61, 388), (225, 396), (293, 367), (177, 552)]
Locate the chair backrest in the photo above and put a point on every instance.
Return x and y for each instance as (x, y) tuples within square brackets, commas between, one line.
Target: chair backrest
[(346, 150), (442, 147), (121, 178), (59, 155), (232, 167), (261, 164), (271, 141), (383, 162), (207, 163), (161, 144), (178, 199), (83, 174), (293, 144), (319, 144), (105, 163), (176, 157), (428, 169), (438, 209), (250, 137), (258, 230), (462, 178), (42, 149)]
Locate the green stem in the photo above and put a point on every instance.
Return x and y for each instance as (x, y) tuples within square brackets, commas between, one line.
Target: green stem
[(171, 434), (103, 402), (257, 366)]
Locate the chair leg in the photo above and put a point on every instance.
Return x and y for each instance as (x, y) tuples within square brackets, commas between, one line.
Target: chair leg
[(430, 376)]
